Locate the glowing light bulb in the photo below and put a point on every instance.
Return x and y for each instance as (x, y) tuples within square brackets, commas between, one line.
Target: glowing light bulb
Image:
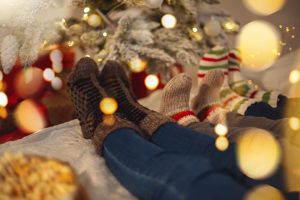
[(222, 143), (86, 10), (105, 34), (194, 29), (48, 74), (294, 123), (85, 16), (3, 99), (221, 130), (137, 65), (108, 106), (294, 76), (258, 154), (169, 21), (151, 82)]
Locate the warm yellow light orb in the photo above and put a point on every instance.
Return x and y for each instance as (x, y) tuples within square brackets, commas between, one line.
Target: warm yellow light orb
[(3, 99), (108, 106), (169, 21), (221, 130), (259, 45), (56, 83), (137, 65), (258, 153), (294, 76), (48, 74), (94, 20), (151, 82), (222, 143), (294, 123), (264, 7), (28, 117), (264, 192), (86, 10)]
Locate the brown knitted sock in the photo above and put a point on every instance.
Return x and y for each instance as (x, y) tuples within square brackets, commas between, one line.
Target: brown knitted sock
[(207, 102), (114, 80), (104, 129), (85, 96), (175, 100)]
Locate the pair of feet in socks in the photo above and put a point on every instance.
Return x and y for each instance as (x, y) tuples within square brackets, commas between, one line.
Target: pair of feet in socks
[(87, 87), (175, 101)]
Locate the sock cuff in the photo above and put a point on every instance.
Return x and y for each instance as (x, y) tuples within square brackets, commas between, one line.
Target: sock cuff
[(185, 117), (206, 111)]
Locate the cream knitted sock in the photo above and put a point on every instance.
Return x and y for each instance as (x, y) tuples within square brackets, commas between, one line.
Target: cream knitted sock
[(175, 100)]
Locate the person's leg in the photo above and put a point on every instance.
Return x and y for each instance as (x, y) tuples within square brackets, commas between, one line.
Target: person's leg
[(150, 172), (262, 109), (176, 138)]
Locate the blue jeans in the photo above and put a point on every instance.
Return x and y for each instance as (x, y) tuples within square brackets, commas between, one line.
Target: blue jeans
[(151, 172)]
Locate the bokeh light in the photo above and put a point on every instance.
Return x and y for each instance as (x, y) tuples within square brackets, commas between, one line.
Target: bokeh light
[(3, 99), (56, 83), (29, 118), (221, 130), (259, 45), (137, 65), (48, 74), (108, 106), (151, 82), (294, 123), (109, 120), (169, 21), (212, 28), (264, 192), (3, 113), (258, 153), (264, 7), (222, 143), (294, 76)]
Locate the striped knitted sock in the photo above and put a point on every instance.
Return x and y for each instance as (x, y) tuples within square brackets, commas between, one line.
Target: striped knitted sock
[(207, 102), (217, 58), (241, 87), (175, 100)]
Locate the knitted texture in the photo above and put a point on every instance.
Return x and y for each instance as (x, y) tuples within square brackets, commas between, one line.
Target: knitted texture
[(206, 104), (104, 129), (114, 80), (217, 58), (85, 96), (241, 87), (175, 100), (9, 53)]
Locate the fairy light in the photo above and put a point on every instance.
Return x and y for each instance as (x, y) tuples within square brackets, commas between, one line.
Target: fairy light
[(294, 123), (151, 82), (86, 10), (87, 55), (194, 29), (48, 74), (280, 26), (70, 43), (169, 21), (56, 83), (108, 106), (222, 143), (221, 130), (294, 76), (3, 99), (287, 29), (105, 34), (137, 65), (85, 16)]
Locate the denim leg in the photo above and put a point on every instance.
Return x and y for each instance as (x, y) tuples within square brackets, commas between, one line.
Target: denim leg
[(265, 110), (149, 172), (177, 138)]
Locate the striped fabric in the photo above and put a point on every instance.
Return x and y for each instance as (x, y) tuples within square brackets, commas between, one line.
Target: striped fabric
[(185, 117), (241, 87), (218, 58)]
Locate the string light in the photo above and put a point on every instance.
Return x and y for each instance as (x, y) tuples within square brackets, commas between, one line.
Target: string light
[(70, 43), (85, 16), (86, 10), (194, 29), (137, 65), (3, 99), (108, 106), (151, 82), (280, 26), (169, 21), (222, 143), (48, 74), (221, 130), (294, 123), (293, 36), (104, 34), (287, 29), (294, 76), (87, 55), (231, 26), (56, 83)]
